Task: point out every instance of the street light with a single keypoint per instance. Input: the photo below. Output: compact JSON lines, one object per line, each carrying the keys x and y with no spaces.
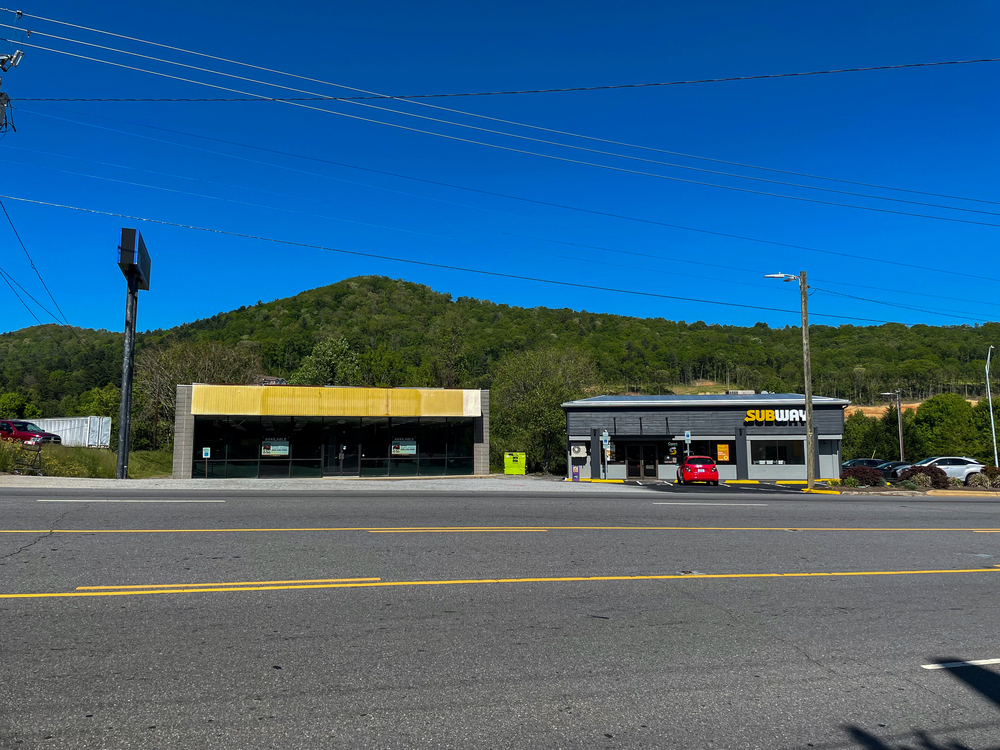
{"x":807,"y":372}
{"x":899,"y":420}
{"x":989,"y":398}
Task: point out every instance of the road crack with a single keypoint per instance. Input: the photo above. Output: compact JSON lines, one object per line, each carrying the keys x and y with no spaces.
{"x":43,"y":537}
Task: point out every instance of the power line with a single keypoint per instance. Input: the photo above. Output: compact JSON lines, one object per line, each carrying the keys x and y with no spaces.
{"x":428,"y":264}
{"x":409,"y":98}
{"x":507,"y":134}
{"x":624,"y":217}
{"x":553,"y":156}
{"x":606,"y":87}
{"x":931,"y":311}
{"x":32,"y":262}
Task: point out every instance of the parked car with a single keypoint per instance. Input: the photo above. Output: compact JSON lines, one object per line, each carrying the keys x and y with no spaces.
{"x":26,"y":432}
{"x":698,"y":469}
{"x":889,"y":469}
{"x":859,"y":462}
{"x":958,"y":467}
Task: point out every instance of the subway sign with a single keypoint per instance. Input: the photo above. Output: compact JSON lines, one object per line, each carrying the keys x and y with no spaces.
{"x":756,"y":416}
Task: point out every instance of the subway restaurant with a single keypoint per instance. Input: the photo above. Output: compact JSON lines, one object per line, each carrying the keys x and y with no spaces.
{"x":282,"y":431}
{"x":750,"y":436}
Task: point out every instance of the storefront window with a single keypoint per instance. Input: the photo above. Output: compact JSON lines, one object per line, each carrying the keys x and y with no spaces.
{"x":375,"y":437}
{"x":777,"y":452}
{"x":460,"y":438}
{"x":243,"y":438}
{"x":307,"y":437}
{"x":432,"y":439}
{"x":313,"y":446}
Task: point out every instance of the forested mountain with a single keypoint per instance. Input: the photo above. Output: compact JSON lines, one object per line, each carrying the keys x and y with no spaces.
{"x":408,"y":334}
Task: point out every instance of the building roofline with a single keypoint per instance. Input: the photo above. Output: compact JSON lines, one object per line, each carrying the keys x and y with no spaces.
{"x":705,"y":400}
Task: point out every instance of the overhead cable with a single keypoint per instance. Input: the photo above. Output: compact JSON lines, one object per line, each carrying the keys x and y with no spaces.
{"x":594,"y":212}
{"x":409,"y":98}
{"x":554,"y":143}
{"x":963,"y":315}
{"x":831,"y":71}
{"x":443,"y":266}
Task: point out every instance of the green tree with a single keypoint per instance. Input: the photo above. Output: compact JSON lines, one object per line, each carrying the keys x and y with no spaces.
{"x":332,"y":362}
{"x":859,"y":436}
{"x":16,"y":406}
{"x":946,"y":426}
{"x":525,"y":397}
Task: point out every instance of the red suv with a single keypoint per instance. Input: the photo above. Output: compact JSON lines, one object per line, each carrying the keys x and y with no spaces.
{"x":698,"y":469}
{"x":26,"y":432}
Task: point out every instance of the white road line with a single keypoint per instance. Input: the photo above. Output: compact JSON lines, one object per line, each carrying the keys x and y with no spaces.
{"x":131,"y":501}
{"x":957,"y":664}
{"x":761,"y":505}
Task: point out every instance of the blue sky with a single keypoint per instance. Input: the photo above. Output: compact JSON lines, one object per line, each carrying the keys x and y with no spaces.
{"x":925,"y":129}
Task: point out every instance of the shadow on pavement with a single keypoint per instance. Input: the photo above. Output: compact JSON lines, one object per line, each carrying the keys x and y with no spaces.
{"x":983,"y":681}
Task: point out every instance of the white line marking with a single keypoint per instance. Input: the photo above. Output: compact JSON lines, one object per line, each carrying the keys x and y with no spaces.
{"x":761,"y":505}
{"x":131,"y":501}
{"x":956,"y":664}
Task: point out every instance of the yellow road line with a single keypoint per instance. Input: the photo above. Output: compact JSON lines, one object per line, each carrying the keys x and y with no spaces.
{"x":440,"y":531}
{"x":469,"y":581}
{"x":234,"y":583}
{"x":985,"y":529}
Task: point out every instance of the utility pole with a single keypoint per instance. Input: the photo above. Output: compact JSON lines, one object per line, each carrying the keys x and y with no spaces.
{"x":899,"y":418}
{"x":989,"y":399}
{"x":807,"y":373}
{"x":134,"y":263}
{"x":807,"y":369}
{"x":6,"y":63}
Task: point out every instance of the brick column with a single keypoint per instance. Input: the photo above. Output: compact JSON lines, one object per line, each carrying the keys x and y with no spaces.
{"x":481,"y":449}
{"x":183,"y":433}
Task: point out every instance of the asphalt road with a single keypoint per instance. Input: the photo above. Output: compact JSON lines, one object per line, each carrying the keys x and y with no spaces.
{"x":396,"y":619}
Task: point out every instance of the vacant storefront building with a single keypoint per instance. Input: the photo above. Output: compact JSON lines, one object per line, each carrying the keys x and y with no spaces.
{"x":280,"y":431}
{"x":750,"y":436}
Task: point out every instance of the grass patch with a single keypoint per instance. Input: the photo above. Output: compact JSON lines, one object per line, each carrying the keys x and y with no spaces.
{"x":98,"y":463}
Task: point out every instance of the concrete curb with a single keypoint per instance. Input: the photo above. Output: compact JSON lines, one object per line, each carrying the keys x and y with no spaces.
{"x":963,"y":493}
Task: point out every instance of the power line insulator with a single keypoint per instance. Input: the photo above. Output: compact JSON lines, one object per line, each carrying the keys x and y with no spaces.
{"x":5,"y":122}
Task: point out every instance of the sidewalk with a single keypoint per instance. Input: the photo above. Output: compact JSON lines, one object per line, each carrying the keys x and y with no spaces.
{"x":487,"y":483}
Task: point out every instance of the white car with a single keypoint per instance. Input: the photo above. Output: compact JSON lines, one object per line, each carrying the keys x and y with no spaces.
{"x":954,"y":466}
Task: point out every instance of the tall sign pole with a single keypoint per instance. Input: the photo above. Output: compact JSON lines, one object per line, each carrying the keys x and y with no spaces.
{"x":134,"y":263}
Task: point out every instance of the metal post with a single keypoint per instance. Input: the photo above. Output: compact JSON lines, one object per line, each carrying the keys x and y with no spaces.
{"x":128,"y":365}
{"x":899,"y":420}
{"x":807,"y":371}
{"x":989,"y":399}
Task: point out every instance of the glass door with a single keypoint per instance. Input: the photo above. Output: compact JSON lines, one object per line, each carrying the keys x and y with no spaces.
{"x":341,"y":445}
{"x":649,"y":461}
{"x":633,"y":460}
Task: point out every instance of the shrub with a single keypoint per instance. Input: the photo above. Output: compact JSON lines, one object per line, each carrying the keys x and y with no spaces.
{"x":955,"y":482}
{"x":939,"y":480}
{"x":909,"y":484}
{"x":993,"y":474}
{"x":866,"y":476}
{"x":850,"y":482}
{"x":921,"y":481}
{"x":833,"y":482}
{"x":979,"y":480}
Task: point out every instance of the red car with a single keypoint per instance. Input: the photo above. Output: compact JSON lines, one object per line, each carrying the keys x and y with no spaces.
{"x":698,"y":469}
{"x":26,"y":432}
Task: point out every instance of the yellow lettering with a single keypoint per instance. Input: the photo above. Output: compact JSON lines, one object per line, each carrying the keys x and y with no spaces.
{"x":750,"y":416}
{"x":769,"y":415}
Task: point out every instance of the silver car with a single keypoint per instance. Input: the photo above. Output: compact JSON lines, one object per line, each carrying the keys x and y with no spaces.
{"x":954,"y":466}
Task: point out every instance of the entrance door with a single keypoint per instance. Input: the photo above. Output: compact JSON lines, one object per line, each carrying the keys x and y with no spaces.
{"x":633,"y":460}
{"x":649,"y":461}
{"x":340,"y":457}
